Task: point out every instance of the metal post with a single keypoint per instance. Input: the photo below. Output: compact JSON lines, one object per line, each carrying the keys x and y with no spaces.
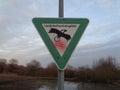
{"x":60,"y":79}
{"x":61,"y":8}
{"x":61,"y":72}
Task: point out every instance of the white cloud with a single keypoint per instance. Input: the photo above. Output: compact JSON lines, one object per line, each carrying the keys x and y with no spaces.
{"x":19,"y":38}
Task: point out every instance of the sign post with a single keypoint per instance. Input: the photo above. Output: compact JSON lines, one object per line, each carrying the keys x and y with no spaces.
{"x":61,"y":36}
{"x":61,"y":72}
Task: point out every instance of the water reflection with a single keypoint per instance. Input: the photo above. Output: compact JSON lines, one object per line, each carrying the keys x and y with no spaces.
{"x":52,"y":85}
{"x":70,"y":86}
{"x":67,"y":86}
{"x":82,"y":86}
{"x":44,"y":87}
{"x":89,"y":86}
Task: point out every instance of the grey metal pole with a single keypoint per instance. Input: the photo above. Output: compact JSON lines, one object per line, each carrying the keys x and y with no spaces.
{"x":60,"y":79}
{"x":61,"y":8}
{"x":61,"y":72}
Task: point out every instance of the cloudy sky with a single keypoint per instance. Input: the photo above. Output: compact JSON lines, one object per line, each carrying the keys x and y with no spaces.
{"x":20,"y":40}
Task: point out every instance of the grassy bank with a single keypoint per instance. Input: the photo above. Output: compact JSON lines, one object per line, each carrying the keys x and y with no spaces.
{"x":6,"y":78}
{"x":17,"y":82}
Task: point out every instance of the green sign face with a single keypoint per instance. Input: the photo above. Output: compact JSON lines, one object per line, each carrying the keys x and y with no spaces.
{"x":61,"y":36}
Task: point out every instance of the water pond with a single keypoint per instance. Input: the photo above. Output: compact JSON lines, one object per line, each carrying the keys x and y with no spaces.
{"x":79,"y":86}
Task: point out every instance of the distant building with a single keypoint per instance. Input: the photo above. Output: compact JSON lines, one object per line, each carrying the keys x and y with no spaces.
{"x":3,"y":60}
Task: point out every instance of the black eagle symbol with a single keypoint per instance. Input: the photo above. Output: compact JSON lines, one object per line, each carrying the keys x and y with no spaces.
{"x":60,"y":34}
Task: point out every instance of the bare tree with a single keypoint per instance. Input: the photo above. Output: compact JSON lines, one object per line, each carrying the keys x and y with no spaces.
{"x":34,"y":67}
{"x":13,"y":61}
{"x":34,"y":63}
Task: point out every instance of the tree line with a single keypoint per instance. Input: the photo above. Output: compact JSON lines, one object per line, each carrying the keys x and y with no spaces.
{"x":104,"y":70}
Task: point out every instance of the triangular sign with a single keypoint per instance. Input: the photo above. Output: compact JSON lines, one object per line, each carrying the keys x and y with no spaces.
{"x":61,"y":36}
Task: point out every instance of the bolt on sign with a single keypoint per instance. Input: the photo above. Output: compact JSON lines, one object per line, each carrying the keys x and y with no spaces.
{"x":61,"y":36}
